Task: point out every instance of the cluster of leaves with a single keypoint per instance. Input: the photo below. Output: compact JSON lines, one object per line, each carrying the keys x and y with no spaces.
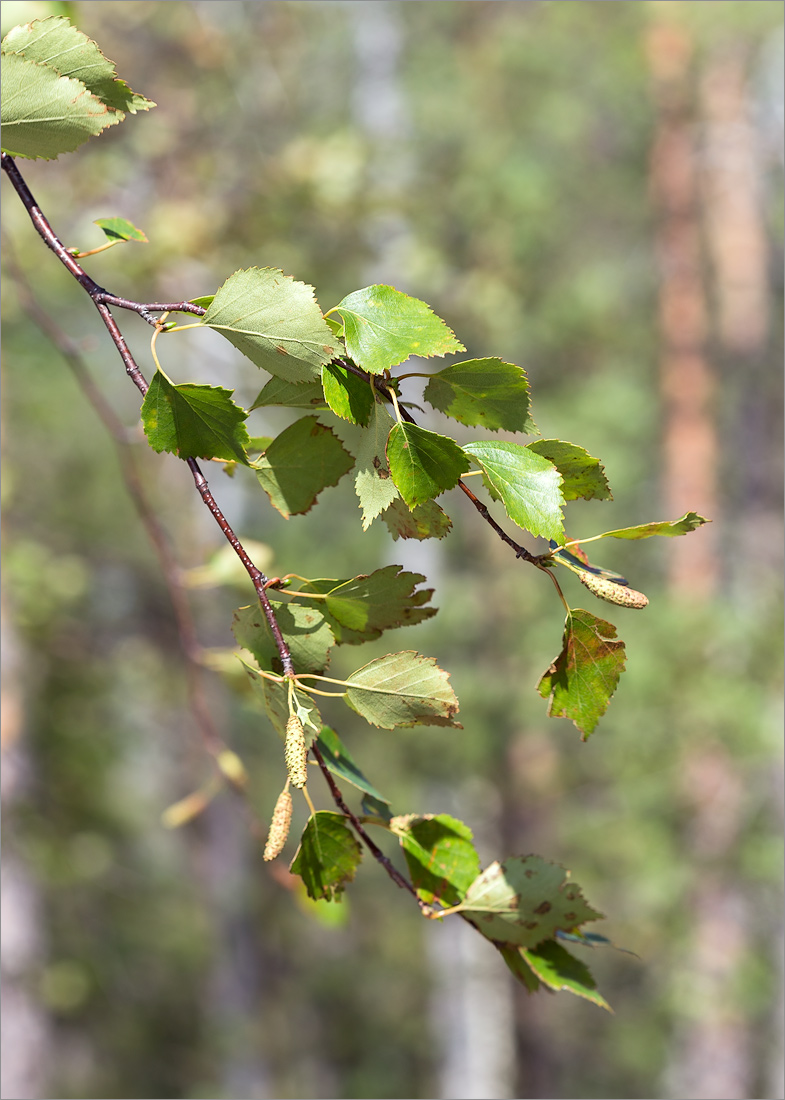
{"x":339,"y":366}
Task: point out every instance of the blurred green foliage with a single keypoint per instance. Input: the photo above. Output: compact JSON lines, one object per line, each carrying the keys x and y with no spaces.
{"x":510,"y":191}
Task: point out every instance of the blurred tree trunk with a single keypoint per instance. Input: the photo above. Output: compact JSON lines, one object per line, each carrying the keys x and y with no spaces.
{"x":24,"y":1025}
{"x":712,"y":1053}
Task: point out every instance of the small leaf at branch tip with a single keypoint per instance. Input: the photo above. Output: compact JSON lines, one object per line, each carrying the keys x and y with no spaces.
{"x":612,"y":592}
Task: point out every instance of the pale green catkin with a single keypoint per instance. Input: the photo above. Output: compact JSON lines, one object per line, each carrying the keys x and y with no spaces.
{"x":295,"y":752}
{"x":612,"y":592}
{"x":279,"y":826}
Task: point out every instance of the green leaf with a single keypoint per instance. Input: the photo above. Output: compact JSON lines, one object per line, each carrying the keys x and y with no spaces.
{"x":578,"y":565}
{"x":440,"y":855}
{"x":527,"y":484}
{"x":118,"y":229}
{"x":425,"y":521}
{"x":580,"y":682}
{"x":582,"y":475}
{"x":516,"y":961}
{"x":294,"y":395}
{"x":359,"y":609}
{"x":305,"y":631}
{"x":53,"y":42}
{"x":44,"y":114}
{"x":557,"y":969}
{"x":275,"y":322}
{"x":341,"y":763}
{"x":274,"y":698}
{"x":403,"y":689}
{"x":382,"y":327}
{"x":299,"y":463}
{"x":690,"y":521}
{"x":524,"y":901}
{"x":348,"y":396}
{"x":204,"y":301}
{"x":483,"y":392}
{"x":328,"y":856}
{"x":194,"y":421}
{"x":373,"y":484}
{"x":422,"y":463}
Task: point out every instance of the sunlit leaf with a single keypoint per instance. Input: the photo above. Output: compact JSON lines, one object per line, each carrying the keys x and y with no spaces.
{"x":383,"y":327}
{"x":483,"y":392}
{"x":274,"y":699}
{"x":524,"y":900}
{"x":528,"y":485}
{"x":690,"y":521}
{"x":58,"y":45}
{"x":44,"y":114}
{"x":422,"y":463}
{"x":118,"y":229}
{"x":580,"y":682}
{"x":582,"y":475}
{"x":373,"y":484}
{"x":275,"y":322}
{"x":403,"y":689}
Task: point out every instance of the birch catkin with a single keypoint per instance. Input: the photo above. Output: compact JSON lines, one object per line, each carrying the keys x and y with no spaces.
{"x":279,"y":826}
{"x":612,"y":592}
{"x":295,"y":752}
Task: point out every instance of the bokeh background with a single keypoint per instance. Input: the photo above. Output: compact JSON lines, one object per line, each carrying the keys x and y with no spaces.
{"x":593,"y":191}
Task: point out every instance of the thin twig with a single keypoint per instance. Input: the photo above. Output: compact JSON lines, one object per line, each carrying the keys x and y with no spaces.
{"x":373,"y":848}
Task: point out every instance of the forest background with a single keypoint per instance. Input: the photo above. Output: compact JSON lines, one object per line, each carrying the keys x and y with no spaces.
{"x":593,"y":191}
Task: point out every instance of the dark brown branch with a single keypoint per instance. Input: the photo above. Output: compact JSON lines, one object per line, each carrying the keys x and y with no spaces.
{"x":99,"y":297}
{"x":373,"y":848}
